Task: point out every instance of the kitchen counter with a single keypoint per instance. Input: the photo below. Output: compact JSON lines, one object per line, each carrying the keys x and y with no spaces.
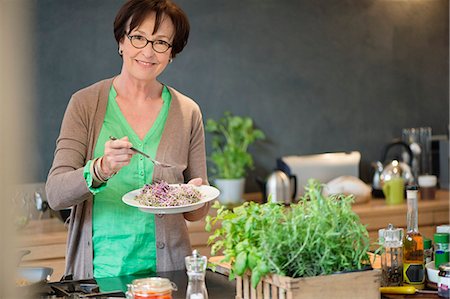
{"x":46,"y":239}
{"x":217,"y":285}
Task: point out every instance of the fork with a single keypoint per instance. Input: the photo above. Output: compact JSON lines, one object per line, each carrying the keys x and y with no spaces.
{"x":156,"y":162}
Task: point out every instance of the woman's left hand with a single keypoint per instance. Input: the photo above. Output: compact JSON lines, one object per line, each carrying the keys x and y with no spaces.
{"x":196,"y":182}
{"x":199,"y":213}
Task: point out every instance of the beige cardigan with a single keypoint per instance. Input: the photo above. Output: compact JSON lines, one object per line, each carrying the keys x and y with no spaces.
{"x":182,"y":144}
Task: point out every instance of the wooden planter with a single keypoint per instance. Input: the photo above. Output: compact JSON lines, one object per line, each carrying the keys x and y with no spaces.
{"x":361,"y":284}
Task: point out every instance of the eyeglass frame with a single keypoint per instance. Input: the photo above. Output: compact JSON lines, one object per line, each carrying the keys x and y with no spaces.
{"x":148,"y":42}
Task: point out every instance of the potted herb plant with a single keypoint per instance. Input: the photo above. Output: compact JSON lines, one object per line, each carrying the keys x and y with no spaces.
{"x":296,"y":251}
{"x":231,"y":137}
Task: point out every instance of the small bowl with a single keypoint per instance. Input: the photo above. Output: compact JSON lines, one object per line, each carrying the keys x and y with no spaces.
{"x":432,"y":272}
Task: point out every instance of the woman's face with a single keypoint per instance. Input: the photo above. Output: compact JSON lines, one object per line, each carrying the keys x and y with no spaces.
{"x":146,"y":64}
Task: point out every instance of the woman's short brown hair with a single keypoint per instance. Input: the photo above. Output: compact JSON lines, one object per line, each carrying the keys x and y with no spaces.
{"x":136,"y":11}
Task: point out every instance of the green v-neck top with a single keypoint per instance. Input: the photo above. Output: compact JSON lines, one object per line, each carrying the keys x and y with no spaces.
{"x":123,"y":237}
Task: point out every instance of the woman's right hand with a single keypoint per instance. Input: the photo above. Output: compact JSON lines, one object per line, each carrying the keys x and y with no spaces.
{"x":117,"y":154}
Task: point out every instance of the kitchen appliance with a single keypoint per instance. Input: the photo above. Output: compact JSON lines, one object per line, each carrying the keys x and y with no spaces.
{"x":388,"y":169}
{"x":440,"y":160}
{"x":279,"y":187}
{"x":322,"y":167}
{"x":87,"y":288}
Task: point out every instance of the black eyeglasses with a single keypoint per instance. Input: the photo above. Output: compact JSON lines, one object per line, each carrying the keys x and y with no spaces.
{"x":139,"y":42}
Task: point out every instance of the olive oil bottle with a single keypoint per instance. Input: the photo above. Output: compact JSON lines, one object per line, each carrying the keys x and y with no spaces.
{"x":413,"y":254}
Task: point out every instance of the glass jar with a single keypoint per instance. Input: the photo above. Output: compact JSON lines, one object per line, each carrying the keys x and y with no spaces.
{"x":444,"y":281}
{"x":151,"y":288}
{"x":392,"y":257}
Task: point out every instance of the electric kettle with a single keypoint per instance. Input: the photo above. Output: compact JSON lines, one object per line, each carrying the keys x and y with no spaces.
{"x":279,"y":187}
{"x":389,"y":169}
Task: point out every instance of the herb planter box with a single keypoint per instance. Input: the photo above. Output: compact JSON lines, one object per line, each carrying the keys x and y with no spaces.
{"x":360,"y":284}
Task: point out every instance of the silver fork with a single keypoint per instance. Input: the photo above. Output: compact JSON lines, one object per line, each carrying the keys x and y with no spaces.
{"x":156,"y":162}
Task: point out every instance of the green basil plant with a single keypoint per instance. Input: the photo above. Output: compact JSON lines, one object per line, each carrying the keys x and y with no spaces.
{"x":232,"y":136}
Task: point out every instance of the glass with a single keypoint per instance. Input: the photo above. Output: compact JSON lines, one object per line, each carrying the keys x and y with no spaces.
{"x":419,"y":140}
{"x":139,"y":42}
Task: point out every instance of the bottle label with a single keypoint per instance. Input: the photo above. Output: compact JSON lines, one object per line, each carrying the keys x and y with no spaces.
{"x":414,"y":274}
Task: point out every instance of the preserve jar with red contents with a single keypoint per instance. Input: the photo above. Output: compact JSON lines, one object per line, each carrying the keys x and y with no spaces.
{"x":151,"y":288}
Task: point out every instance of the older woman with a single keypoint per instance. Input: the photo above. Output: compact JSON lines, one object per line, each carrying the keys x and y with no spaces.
{"x":90,"y":173}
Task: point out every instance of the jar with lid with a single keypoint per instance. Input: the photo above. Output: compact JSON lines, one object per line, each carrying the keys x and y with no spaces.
{"x":196,"y":270}
{"x":392,"y":257}
{"x":444,"y":281}
{"x":441,"y":249}
{"x":152,"y":287}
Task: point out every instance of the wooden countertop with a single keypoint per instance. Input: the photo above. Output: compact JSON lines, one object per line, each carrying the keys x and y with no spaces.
{"x":42,"y":232}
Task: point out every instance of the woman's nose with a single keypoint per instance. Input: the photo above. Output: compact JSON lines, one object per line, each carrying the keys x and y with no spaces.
{"x":148,"y":50}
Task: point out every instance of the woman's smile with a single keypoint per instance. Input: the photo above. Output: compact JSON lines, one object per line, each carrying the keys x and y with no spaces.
{"x":145,"y":63}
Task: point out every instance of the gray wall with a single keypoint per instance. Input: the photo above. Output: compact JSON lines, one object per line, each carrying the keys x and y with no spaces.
{"x":316,"y":75}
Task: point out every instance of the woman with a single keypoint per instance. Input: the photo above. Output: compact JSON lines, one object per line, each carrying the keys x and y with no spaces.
{"x":91,"y":173}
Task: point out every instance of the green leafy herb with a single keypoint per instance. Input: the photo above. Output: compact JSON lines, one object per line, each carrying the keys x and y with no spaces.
{"x":316,"y":236}
{"x":232,"y":136}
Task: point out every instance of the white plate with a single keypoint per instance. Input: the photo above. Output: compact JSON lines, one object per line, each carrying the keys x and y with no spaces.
{"x":432,"y":273}
{"x":208,"y":193}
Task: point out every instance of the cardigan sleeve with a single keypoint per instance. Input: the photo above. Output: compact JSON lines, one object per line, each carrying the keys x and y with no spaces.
{"x":65,"y":184}
{"x":197,"y":161}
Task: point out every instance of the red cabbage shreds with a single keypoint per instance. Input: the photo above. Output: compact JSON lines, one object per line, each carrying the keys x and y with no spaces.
{"x":161,"y":194}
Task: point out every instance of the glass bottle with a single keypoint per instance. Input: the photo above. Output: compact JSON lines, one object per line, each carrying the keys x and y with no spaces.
{"x":413,"y":253}
{"x":391,"y":258}
{"x":196,"y":269}
{"x":427,"y":250}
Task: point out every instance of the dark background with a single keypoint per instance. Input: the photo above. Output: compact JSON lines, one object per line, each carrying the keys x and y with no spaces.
{"x":315,"y":75}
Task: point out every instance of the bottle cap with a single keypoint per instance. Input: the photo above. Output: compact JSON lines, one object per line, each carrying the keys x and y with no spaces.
{"x":393,"y":236}
{"x":426,"y":243}
{"x":196,"y":262}
{"x":443,"y":229}
{"x":412,"y":188}
{"x":441,"y":238}
{"x":427,"y":181}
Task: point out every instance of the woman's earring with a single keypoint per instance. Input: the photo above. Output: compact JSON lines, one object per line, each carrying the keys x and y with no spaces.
{"x":170,"y":60}
{"x":120,"y":52}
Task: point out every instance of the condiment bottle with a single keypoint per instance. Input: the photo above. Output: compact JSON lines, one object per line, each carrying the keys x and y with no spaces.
{"x":444,"y":281}
{"x":441,"y":250}
{"x":196,"y":269}
{"x":153,"y":287}
{"x":391,"y":258}
{"x":427,"y":250}
{"x":413,"y":256}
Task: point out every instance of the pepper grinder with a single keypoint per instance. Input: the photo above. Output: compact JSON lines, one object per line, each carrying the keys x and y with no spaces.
{"x":196,"y":268}
{"x":392,"y":257}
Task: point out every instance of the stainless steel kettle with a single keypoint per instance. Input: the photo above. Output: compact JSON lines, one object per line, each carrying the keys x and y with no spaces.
{"x":384,"y":172}
{"x":279,"y":187}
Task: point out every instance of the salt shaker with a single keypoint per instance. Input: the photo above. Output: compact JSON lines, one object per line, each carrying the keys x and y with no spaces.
{"x":392,"y":257}
{"x":196,"y":268}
